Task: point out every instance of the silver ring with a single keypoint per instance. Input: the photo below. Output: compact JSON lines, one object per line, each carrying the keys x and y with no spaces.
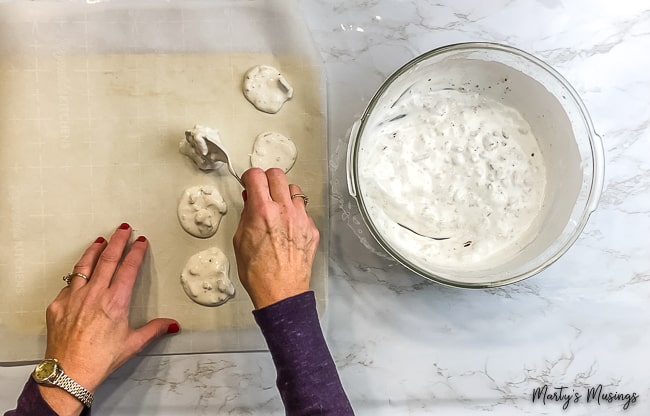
{"x":68,"y":277}
{"x":304,"y":197}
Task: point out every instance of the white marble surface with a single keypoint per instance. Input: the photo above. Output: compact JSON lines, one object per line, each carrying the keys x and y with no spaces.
{"x":405,"y":346}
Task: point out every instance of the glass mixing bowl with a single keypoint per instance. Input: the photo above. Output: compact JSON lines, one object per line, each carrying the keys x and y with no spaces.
{"x":572,"y":151}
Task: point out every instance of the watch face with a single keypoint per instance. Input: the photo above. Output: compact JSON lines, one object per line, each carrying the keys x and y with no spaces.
{"x":44,"y":370}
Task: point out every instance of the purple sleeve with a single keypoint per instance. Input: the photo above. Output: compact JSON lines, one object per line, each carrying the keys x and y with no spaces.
{"x":31,"y":403}
{"x":307,"y":378}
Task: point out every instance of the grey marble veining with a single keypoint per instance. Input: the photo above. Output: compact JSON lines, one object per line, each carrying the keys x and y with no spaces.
{"x":407,"y":346}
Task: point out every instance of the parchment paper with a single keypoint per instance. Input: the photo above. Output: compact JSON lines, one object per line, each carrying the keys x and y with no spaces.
{"x":94,"y":99}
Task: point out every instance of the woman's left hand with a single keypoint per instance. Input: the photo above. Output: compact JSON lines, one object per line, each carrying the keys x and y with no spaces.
{"x":88,"y":328}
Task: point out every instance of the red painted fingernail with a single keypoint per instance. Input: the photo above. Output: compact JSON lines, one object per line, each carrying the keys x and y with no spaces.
{"x":173,"y":328}
{"x":99,"y":240}
{"x":244,"y":195}
{"x":141,"y":239}
{"x":124,"y":226}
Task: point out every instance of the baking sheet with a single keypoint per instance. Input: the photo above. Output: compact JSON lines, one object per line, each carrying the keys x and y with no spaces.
{"x":94,"y":99}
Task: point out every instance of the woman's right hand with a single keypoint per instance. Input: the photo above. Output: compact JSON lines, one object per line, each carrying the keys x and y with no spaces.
{"x":276,"y":240}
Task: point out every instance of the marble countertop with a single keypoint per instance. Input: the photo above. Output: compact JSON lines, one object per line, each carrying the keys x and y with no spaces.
{"x":407,"y":346}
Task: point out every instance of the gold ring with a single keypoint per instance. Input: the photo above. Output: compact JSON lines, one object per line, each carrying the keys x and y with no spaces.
{"x":68,"y":277}
{"x":304,"y":197}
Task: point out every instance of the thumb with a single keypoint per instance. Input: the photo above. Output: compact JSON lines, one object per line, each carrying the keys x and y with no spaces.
{"x":152,"y":330}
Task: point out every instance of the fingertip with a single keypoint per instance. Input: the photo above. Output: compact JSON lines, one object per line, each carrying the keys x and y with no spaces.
{"x":141,"y":239}
{"x":256,"y":185}
{"x":124,"y":226}
{"x":100,"y":240}
{"x":173,"y":328}
{"x":252,"y":172}
{"x":275,"y":173}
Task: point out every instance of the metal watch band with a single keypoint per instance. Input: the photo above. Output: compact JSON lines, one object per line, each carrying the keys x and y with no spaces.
{"x":72,"y":387}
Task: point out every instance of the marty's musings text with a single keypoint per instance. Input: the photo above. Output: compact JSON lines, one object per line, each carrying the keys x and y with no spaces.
{"x":597,"y":395}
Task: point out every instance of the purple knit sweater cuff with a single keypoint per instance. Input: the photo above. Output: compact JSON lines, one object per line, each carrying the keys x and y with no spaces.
{"x":307,"y":377}
{"x":31,"y":403}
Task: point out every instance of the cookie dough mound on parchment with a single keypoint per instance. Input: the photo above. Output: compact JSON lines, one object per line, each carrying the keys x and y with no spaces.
{"x":266,"y":88}
{"x":273,"y":150}
{"x":200,"y":210}
{"x":205,"y":278}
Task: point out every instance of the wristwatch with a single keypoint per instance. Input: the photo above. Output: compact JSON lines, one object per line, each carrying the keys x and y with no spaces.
{"x":48,"y":372}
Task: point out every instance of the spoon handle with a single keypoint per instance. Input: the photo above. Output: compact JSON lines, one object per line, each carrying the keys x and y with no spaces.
{"x":233,"y":173}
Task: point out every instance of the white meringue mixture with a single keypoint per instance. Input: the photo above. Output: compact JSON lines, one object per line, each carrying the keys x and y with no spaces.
{"x":200,"y":210}
{"x":199,"y":145}
{"x":205,"y":278}
{"x":273,"y":150}
{"x":266,"y":88}
{"x":451,"y":179}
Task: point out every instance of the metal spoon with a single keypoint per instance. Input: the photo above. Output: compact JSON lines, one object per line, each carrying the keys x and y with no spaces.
{"x":422,"y":235}
{"x":219,"y":154}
